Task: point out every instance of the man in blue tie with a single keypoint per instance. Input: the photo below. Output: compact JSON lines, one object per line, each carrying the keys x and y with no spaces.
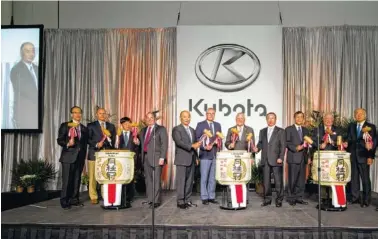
{"x":297,"y":159}
{"x":126,"y":141}
{"x":207,"y":156}
{"x":362,"y":155}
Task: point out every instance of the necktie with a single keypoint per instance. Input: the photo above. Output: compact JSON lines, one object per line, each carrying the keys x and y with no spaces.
{"x":240,"y":129}
{"x":211,"y":129}
{"x":125,"y":138}
{"x":269,"y":133}
{"x":188,"y":132}
{"x":34,"y":76}
{"x":300,"y":133}
{"x":78,"y":131}
{"x":358,"y":130}
{"x":148,"y":136}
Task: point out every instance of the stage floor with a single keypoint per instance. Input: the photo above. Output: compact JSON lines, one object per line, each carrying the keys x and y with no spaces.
{"x":50,"y":212}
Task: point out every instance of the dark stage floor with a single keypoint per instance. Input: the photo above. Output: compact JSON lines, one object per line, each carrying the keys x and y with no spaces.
{"x":49,"y":212}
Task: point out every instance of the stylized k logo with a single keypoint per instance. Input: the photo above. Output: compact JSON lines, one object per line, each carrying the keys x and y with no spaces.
{"x":227,"y":67}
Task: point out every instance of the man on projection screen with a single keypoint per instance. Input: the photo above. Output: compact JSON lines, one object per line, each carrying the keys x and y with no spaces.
{"x":24,"y":78}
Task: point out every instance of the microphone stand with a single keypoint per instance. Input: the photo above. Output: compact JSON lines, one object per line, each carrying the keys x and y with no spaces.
{"x":153,"y":178}
{"x":319,"y":188}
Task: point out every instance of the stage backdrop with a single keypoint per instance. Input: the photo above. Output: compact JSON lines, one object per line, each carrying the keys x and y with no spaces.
{"x":233,"y":69}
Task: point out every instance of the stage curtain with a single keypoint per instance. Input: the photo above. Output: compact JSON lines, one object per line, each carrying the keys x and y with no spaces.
{"x":127,"y":71}
{"x":331,"y":69}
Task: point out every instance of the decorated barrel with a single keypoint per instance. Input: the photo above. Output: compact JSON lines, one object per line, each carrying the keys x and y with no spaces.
{"x":233,"y":167}
{"x":114,"y":166}
{"x":335,"y":167}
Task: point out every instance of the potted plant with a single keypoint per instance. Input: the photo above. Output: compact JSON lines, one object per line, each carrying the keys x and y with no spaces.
{"x":85,"y":180}
{"x":44,"y":171}
{"x":257,"y":178}
{"x":19,"y":170}
{"x":29,"y":181}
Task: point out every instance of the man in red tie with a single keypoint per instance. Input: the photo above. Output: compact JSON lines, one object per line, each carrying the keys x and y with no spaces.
{"x":154,"y":154}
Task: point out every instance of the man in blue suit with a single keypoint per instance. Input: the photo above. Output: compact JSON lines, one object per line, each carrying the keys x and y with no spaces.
{"x":207,"y":156}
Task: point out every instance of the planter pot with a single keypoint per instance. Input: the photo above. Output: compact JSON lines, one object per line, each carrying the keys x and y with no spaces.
{"x":19,"y":189}
{"x":31,"y":189}
{"x":260,"y":189}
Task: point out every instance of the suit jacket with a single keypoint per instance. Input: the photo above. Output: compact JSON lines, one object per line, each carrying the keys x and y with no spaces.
{"x":95,"y":136}
{"x":356,"y":145}
{"x":240,"y":144}
{"x":201,"y":126}
{"x":25,"y":96}
{"x":75,"y":152}
{"x":130,"y":146}
{"x":292,"y":141}
{"x":185,"y":154}
{"x":161,"y":144}
{"x":314,"y":137}
{"x":274,"y":149}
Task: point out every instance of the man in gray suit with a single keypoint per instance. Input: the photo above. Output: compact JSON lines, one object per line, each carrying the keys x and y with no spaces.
{"x":241,"y":142}
{"x":185,"y":159}
{"x":296,"y":159}
{"x":149,"y":154}
{"x":273,"y":146}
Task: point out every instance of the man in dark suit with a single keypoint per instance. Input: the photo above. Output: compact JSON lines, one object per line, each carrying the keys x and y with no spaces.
{"x":153,"y":158}
{"x":328,"y":141}
{"x":362,"y":156}
{"x":241,"y":142}
{"x":126,"y":141}
{"x":24,"y":78}
{"x":296,"y":159}
{"x":273,"y":145}
{"x":98,"y":141}
{"x":185,"y":138}
{"x":74,"y":149}
{"x":207,"y":155}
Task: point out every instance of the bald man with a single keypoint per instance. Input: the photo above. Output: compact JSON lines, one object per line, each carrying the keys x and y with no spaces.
{"x":362,"y":155}
{"x":186,"y":156}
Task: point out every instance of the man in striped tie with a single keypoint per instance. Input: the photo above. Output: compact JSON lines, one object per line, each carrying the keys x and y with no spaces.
{"x":73,"y":138}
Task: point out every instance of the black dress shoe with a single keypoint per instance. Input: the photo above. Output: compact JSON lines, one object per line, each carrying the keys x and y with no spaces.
{"x":156,"y":205}
{"x":265,"y":204}
{"x":190,"y":204}
{"x":147,"y":202}
{"x":68,"y":207}
{"x":354,"y":202}
{"x":213,"y":201}
{"x":292,"y":203}
{"x":205,"y":202}
{"x":127,"y":204}
{"x":182,"y":206}
{"x":77,"y":204}
{"x":278,"y":204}
{"x":365,"y":204}
{"x":376,"y":209}
{"x":301,"y":202}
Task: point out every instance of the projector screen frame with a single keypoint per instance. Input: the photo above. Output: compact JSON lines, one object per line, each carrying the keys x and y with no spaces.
{"x":40,"y":78}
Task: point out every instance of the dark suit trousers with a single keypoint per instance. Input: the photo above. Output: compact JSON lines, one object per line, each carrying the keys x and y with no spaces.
{"x":277,"y":173}
{"x":148,"y":172}
{"x":70,"y":182}
{"x":184,"y":180}
{"x":297,"y":181}
{"x":360,"y":170}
